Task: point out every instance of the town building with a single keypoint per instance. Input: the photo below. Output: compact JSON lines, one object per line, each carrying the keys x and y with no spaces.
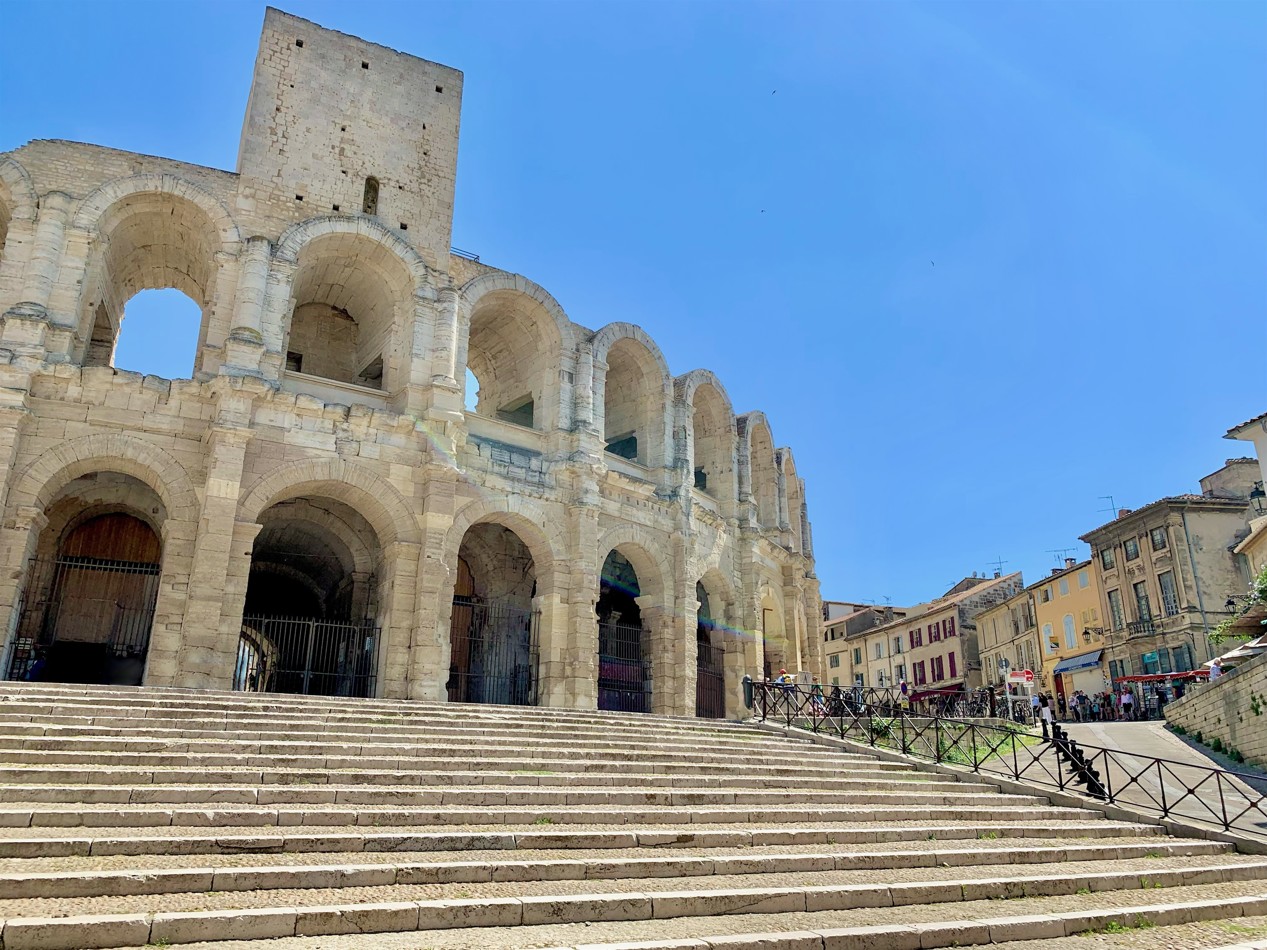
{"x":1067,"y":614}
{"x":1167,"y":575}
{"x":1008,"y":640}
{"x":856,"y":657}
{"x":315,"y":509}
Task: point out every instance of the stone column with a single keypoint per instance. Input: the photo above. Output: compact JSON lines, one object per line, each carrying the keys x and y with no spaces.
{"x":18,"y":540}
{"x":662,"y":644}
{"x":583,"y":393}
{"x":577,"y":651}
{"x":245,"y":345}
{"x":208,"y":647}
{"x":46,"y":255}
{"x":275,"y":318}
{"x":444,"y":354}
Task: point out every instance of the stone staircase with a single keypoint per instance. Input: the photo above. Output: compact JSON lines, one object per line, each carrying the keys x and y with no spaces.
{"x":132,"y":817}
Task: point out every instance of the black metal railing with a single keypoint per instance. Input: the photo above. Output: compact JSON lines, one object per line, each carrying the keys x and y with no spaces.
{"x":493,"y":653}
{"x":82,"y":618}
{"x":1232,"y":801}
{"x":710,"y":695}
{"x":624,"y":676}
{"x":308,"y":656}
{"x":973,"y":704}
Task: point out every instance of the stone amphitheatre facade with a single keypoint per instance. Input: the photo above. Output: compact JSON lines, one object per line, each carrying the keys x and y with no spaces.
{"x":314,"y":510}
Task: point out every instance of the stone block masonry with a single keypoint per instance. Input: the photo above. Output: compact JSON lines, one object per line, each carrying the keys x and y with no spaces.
{"x":1232,"y":709}
{"x":314,"y":510}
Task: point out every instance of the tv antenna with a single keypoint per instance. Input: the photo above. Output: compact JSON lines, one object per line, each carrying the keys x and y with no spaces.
{"x":1112,"y":509}
{"x":997,"y":564}
{"x":1061,"y":554}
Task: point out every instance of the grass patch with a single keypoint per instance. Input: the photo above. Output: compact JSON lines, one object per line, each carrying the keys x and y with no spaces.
{"x":544,"y":821}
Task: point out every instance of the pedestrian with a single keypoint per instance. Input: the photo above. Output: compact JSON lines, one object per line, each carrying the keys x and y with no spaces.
{"x":1216,"y":669}
{"x":1128,"y":704}
{"x":1044,"y":714}
{"x":1064,"y":708}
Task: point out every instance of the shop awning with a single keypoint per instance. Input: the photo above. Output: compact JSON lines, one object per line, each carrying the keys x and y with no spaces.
{"x":1083,"y":661}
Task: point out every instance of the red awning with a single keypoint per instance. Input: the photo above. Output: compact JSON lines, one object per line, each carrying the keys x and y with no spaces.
{"x":933,"y":693}
{"x":1159,"y":677}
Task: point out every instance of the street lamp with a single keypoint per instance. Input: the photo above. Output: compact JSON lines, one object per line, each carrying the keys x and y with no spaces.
{"x":1258,"y":498}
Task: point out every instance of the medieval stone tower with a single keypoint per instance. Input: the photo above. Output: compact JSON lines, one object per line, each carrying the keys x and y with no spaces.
{"x":314,"y":509}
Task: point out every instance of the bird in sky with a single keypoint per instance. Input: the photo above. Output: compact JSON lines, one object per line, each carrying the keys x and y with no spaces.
{"x":774,"y":91}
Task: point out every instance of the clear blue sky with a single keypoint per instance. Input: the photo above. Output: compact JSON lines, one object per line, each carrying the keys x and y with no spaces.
{"x":1012,"y":255}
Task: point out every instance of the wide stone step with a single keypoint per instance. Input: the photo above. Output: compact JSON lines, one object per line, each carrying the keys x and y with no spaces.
{"x":303,"y":919}
{"x":498,"y":810}
{"x":632,"y":865}
{"x":48,"y":843}
{"x":628,"y":793}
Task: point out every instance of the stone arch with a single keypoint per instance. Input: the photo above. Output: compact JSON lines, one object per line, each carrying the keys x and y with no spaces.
{"x":636,"y":544}
{"x":297,"y":236}
{"x":353,"y":290}
{"x":17,"y":198}
{"x":522,"y":516}
{"x":794,"y":489}
{"x":154,"y":232}
{"x":711,"y":447}
{"x":632,"y":385}
{"x":756,"y":446}
{"x":512,"y":337}
{"x":775,"y":645}
{"x":366,"y":492}
{"x":40,"y":481}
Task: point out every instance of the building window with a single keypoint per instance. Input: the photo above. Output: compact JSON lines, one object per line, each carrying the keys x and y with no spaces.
{"x":917,"y":672}
{"x":879,"y":679}
{"x":1158,"y":538}
{"x":1147,"y":663}
{"x":1071,"y":635}
{"x":917,"y":637}
{"x":901,"y":672}
{"x":369,"y":200}
{"x":934,"y":631}
{"x":1064,"y":587}
{"x":860,"y":680}
{"x":1108,"y":560}
{"x":1115,"y":610}
{"x":897,"y":644}
{"x":1132,"y":549}
{"x":1182,"y":656}
{"x":834,"y":661}
{"x":950,"y":627}
{"x":1169,"y":596}
{"x":953,"y":670}
{"x":857,"y":656}
{"x":1083,"y":580}
{"x":1049,"y":638}
{"x":1143,"y":610}
{"x":1045,"y":594}
{"x":835,"y":681}
{"x":879,"y":651}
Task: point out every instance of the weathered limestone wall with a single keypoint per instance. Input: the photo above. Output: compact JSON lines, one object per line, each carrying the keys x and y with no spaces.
{"x":1232,"y":709}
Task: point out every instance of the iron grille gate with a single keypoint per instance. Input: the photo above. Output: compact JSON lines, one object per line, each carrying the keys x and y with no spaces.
{"x":494,"y":651}
{"x":710,"y":699}
{"x":67,"y":603}
{"x":624,"y":676}
{"x":306,"y":655}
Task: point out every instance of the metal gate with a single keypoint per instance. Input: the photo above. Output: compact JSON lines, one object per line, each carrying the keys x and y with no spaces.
{"x":306,"y":655}
{"x":493,"y":653}
{"x":85,"y":620}
{"x":624,"y":676}
{"x":710,"y":697}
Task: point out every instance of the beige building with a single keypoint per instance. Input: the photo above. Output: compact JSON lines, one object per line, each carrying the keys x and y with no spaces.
{"x":314,"y":509}
{"x":855,"y":656}
{"x":1067,"y":614}
{"x":1167,"y":575}
{"x":1008,"y":640}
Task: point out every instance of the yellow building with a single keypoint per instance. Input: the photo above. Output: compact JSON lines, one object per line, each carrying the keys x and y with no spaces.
{"x":1067,"y":612}
{"x":1008,"y":638}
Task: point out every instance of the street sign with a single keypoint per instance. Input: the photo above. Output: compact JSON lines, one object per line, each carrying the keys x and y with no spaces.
{"x":1021,"y":678}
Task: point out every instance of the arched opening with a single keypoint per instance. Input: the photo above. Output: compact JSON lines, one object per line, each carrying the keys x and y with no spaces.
{"x":633,"y":403}
{"x":493,"y":630}
{"x":710,"y":657}
{"x":773,"y":637}
{"x":472,"y":395}
{"x":624,"y":672}
{"x":369,"y":200}
{"x":795,"y":503}
{"x":88,"y":604}
{"x":149,"y":241}
{"x":350,"y":294}
{"x":309,"y":625}
{"x":513,"y":349}
{"x":714,"y":440}
{"x":158,"y":335}
{"x":765,"y":477}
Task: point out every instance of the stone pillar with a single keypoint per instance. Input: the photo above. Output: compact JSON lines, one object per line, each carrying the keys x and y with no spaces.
{"x":245,"y":346}
{"x":598,"y":392}
{"x":576,"y":649}
{"x":444,"y":352}
{"x":46,"y":254}
{"x":663,"y":645}
{"x":275,"y":318}
{"x":397,"y":619}
{"x":207,"y":648}
{"x":18,"y":540}
{"x":583,"y":412}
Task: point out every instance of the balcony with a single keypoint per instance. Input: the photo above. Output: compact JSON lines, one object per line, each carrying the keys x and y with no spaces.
{"x":1141,"y":628}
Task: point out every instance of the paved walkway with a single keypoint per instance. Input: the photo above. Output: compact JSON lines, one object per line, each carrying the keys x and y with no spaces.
{"x":1185,"y":769}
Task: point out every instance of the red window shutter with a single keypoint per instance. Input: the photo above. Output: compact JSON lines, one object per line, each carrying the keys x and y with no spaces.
{"x":950,"y":626}
{"x":953,"y":671}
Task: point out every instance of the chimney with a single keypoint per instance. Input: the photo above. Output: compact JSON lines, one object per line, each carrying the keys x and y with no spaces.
{"x":998,"y":574}
{"x":1057,"y":570}
{"x":1123,"y":512}
{"x":1070,"y":562}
